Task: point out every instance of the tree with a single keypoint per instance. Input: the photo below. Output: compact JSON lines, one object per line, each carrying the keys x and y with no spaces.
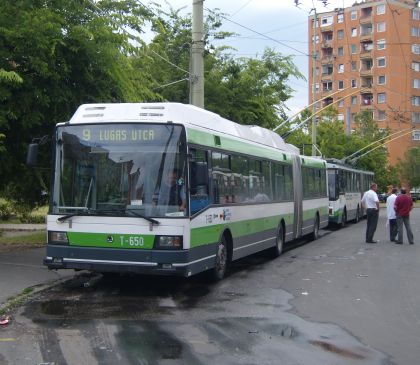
{"x":409,"y":168}
{"x":56,"y":55}
{"x":247,"y":91}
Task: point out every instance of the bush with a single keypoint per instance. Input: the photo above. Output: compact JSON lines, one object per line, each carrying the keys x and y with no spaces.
{"x":5,"y":211}
{"x":31,"y":218}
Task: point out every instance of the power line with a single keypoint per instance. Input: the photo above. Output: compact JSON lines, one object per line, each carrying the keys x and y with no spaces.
{"x":256,"y":32}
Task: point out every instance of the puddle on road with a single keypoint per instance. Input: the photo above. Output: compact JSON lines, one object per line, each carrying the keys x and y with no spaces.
{"x":158,"y":321}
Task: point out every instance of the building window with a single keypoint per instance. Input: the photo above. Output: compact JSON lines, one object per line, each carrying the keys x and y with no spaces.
{"x":317,"y":88}
{"x":341,"y":68}
{"x":416,"y":14}
{"x":354,"y":65}
{"x":380,"y":27}
{"x":326,"y":20}
{"x":380,"y":44}
{"x":353,"y":100}
{"x":415,"y":101}
{"x":381,"y":98}
{"x":354,"y":32}
{"x":416,"y":83}
{"x":353,"y":15}
{"x":380,"y":9}
{"x":381,"y":62}
{"x":353,"y":49}
{"x":353,"y":83}
{"x":416,"y":135}
{"x":341,"y":85}
{"x":381,"y":115}
{"x":341,"y":103}
{"x":340,"y":18}
{"x":327,"y":86}
{"x":340,"y":117}
{"x":415,"y":31}
{"x":381,"y":80}
{"x":340,"y":51}
{"x":340,"y":34}
{"x":415,"y":48}
{"x":415,"y":66}
{"x":415,"y":117}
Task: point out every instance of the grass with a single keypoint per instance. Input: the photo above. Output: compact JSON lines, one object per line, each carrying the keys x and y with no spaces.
{"x":16,"y":301}
{"x":33,"y":238}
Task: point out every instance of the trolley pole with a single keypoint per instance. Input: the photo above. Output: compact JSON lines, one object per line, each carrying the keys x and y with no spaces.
{"x":313,"y":83}
{"x":197,"y":56}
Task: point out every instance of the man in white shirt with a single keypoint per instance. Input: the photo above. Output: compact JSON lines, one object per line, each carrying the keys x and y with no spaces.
{"x":371,"y":203}
{"x":392,"y":217}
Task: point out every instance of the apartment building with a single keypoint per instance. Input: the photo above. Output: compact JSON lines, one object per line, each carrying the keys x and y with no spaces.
{"x":368,"y":55}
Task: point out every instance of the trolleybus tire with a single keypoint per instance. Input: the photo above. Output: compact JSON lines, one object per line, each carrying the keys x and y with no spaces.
{"x":221,"y":263}
{"x":344,"y":218}
{"x":277,"y":250}
{"x":357,"y":219}
{"x":315,"y":232}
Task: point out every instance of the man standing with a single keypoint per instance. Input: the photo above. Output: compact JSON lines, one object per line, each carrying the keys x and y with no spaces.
{"x":403,"y":206}
{"x":371,"y":203}
{"x":392,"y":218}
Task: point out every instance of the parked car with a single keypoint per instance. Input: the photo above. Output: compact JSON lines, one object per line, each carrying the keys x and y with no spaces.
{"x":382,"y":197}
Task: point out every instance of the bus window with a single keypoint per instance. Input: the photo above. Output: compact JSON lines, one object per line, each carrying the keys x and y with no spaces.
{"x":199,"y":181}
{"x":221,"y":176}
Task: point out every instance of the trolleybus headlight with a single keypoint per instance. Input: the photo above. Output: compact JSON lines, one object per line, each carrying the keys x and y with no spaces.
{"x":168,"y":242}
{"x":57,"y":238}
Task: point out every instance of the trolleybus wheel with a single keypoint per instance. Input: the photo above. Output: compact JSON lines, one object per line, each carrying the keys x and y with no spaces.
{"x":344,"y":218}
{"x":220,"y":267}
{"x":357,"y":219}
{"x":277,"y":250}
{"x":315,"y":232}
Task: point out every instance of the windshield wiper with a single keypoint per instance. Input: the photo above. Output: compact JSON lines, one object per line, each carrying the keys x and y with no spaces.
{"x":151,"y":220}
{"x":107,"y":212}
{"x":67,"y":216}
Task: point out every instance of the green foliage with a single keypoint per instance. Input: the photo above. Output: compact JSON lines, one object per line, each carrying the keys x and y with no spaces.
{"x":54,"y":56}
{"x":5,"y":210}
{"x":409,"y":168}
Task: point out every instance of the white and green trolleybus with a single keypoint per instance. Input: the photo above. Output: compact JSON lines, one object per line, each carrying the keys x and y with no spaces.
{"x":346,"y":186}
{"x":172,"y":189}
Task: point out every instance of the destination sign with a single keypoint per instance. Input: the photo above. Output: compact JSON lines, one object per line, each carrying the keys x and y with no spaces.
{"x":104,"y":134}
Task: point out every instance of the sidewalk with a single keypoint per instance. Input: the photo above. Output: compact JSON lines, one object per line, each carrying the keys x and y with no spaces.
{"x":24,"y":268}
{"x":23,"y":227}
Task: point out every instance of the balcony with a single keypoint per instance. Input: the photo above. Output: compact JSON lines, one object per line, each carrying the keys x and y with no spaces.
{"x":327,"y":60}
{"x":367,"y":19}
{"x":326,"y":28}
{"x":366,"y":72}
{"x":365,"y":37}
{"x":326,"y":44}
{"x":366,"y":54}
{"x":326,"y":77}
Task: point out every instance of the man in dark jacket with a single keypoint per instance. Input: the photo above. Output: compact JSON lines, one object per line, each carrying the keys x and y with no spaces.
{"x":403,"y":206}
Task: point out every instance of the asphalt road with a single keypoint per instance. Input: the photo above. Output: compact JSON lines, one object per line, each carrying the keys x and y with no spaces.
{"x":333,"y":301}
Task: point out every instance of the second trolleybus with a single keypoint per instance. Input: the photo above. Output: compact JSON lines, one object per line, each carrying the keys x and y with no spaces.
{"x":346,"y":186}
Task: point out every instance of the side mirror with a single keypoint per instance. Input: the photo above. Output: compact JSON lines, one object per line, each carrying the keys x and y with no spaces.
{"x":32,"y":155}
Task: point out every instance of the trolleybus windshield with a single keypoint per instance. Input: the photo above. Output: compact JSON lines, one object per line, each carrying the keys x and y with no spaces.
{"x":120,"y":169}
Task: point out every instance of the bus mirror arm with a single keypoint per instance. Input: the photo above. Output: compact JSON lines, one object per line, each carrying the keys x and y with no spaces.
{"x":32,"y":153}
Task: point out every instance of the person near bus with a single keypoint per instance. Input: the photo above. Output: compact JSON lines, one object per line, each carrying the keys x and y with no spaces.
{"x":392,"y":217}
{"x":403,"y":205}
{"x":370,"y":202}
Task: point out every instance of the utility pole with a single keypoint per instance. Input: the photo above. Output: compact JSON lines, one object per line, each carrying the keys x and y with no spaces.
{"x":197,"y":56}
{"x":313,"y":82}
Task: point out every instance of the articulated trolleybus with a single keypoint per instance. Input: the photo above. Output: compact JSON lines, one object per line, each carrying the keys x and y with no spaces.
{"x":166,"y":188}
{"x":346,"y":186}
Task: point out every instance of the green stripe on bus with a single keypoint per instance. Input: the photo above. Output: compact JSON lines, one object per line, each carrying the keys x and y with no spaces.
{"x":211,"y":234}
{"x":111,"y":240}
{"x":207,"y":139}
{"x":310,"y":213}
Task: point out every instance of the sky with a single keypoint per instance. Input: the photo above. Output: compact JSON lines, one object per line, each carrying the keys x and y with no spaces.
{"x":282,"y":27}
